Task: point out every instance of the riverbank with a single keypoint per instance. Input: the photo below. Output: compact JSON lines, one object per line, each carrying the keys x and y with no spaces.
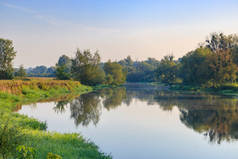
{"x":228,"y":89}
{"x":17,"y":92}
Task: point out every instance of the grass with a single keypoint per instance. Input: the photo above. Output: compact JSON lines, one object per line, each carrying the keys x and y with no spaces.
{"x":14,"y":93}
{"x":69,"y":146}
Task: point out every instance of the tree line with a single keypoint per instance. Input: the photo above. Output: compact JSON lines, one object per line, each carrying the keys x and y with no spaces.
{"x":212,"y":64}
{"x":87,"y":68}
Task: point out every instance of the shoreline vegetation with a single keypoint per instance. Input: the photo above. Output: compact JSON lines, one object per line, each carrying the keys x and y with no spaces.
{"x":69,"y":146}
{"x":227,"y":89}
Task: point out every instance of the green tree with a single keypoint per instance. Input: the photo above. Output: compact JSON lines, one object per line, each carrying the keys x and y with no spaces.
{"x":213,"y":64}
{"x":21,"y":72}
{"x":139,"y":71}
{"x":7,"y":54}
{"x":223,"y":62}
{"x":195,"y":67}
{"x":62,"y":73}
{"x":86,"y":68}
{"x":63,"y":68}
{"x":219,"y":41}
{"x":222,"y":68}
{"x":114,"y":72}
{"x":167,"y":71}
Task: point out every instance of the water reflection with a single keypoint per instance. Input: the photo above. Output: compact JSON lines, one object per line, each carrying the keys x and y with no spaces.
{"x":215,"y":117}
{"x":87,"y":108}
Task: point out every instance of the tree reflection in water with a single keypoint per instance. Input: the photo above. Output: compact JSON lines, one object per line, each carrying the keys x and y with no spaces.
{"x":216,"y":117}
{"x":87,"y":108}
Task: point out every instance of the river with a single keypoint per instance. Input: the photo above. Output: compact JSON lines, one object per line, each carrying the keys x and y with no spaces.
{"x":143,"y":121}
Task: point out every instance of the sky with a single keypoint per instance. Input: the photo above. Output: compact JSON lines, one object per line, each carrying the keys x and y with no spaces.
{"x":43,"y":30}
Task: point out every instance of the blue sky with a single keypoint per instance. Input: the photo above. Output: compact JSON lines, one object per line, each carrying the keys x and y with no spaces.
{"x":42,"y":30}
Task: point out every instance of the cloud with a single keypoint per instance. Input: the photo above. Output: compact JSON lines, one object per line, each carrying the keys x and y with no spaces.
{"x":26,"y":10}
{"x":59,"y":22}
{"x":32,"y":12}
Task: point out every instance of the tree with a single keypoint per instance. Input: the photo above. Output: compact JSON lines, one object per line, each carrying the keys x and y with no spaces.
{"x":41,"y":71}
{"x":219,"y":41}
{"x":139,"y":71}
{"x":114,"y":72}
{"x":195,"y":66}
{"x":167,"y":70}
{"x":62,"y":73}
{"x":86,"y":68}
{"x":7,"y":54}
{"x":64,"y":60}
{"x":21,"y":72}
{"x":223,"y":62}
{"x":63,"y":68}
{"x":213,"y":64}
{"x":222,"y":68}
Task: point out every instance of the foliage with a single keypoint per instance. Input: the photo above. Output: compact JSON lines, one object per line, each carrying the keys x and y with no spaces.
{"x":21,"y":72}
{"x":114,"y":72}
{"x":219,"y":41}
{"x":213,"y":64}
{"x":41,"y":71}
{"x":53,"y":156}
{"x":65,"y":60}
{"x":167,"y":70}
{"x":139,"y":71}
{"x":62,"y":73}
{"x":7,"y":54}
{"x":63,"y":68}
{"x":24,"y":152}
{"x":86,"y":68}
{"x":195,"y":67}
{"x":10,"y":138}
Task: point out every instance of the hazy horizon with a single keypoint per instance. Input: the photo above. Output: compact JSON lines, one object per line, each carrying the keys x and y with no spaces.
{"x":44,"y":30}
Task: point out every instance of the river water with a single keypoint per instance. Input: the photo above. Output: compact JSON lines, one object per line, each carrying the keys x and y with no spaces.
{"x":142,"y":121}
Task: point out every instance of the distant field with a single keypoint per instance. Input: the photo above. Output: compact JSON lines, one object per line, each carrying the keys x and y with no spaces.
{"x":41,"y":78}
{"x":36,"y":78}
{"x":18,"y":86}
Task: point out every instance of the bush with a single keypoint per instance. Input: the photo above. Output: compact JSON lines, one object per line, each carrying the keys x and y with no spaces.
{"x":10,"y":138}
{"x":24,"y":152}
{"x":53,"y":156}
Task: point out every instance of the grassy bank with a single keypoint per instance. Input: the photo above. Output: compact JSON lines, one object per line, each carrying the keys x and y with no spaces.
{"x":230,"y":89}
{"x":17,"y":92}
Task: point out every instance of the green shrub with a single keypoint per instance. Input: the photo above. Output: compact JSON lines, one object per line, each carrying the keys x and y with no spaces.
{"x":24,"y":152}
{"x":10,"y":138}
{"x":53,"y":156}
